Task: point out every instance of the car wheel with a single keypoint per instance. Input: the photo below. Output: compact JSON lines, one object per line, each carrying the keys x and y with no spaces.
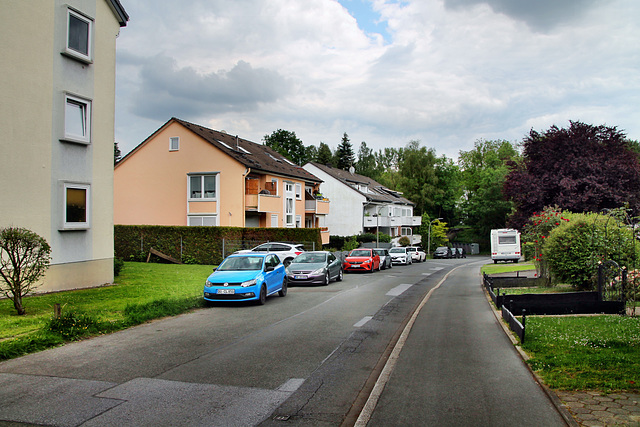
{"x":283,"y":292}
{"x":340,"y":275}
{"x":263,"y":295}
{"x":327,"y":279}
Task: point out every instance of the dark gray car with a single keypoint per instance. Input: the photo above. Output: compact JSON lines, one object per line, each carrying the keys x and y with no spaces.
{"x":314,"y":268}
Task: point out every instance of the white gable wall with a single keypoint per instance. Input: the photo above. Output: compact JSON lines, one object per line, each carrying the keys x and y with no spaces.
{"x":345,"y":217}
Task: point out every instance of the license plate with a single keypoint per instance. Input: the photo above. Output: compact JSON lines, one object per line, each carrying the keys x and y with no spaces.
{"x":355,"y":266}
{"x":226,"y":291}
{"x":300,"y":276}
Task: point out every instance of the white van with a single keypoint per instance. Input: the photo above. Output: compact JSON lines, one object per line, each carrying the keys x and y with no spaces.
{"x":505,"y":245}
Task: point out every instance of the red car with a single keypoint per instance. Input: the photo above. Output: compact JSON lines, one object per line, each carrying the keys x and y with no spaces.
{"x":362,"y":260}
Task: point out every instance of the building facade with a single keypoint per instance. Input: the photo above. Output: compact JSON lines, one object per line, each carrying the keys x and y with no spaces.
{"x":57,"y":116}
{"x":186,"y":174}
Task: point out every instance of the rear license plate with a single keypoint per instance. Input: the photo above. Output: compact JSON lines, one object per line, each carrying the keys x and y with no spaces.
{"x":300,"y":276}
{"x":226,"y":291}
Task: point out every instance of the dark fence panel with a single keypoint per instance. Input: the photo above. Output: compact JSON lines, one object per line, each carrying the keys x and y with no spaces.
{"x":517,"y":327}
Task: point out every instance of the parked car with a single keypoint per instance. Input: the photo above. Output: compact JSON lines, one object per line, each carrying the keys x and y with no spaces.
{"x":385,"y":258}
{"x":314,"y":268}
{"x":400,"y":255}
{"x":362,"y":260}
{"x":285,"y":251}
{"x":247,"y":277}
{"x":417,"y":254}
{"x":443,"y":252}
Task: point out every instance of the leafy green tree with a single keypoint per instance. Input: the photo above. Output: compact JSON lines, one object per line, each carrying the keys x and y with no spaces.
{"x":484,"y":170}
{"x":310,"y":154}
{"x":325,"y":156}
{"x":388,"y":163}
{"x":287,"y":144}
{"x":24,"y":258}
{"x":448,"y":197}
{"x":583,"y":168}
{"x":418,"y":180}
{"x":366,"y":164}
{"x":344,"y":154}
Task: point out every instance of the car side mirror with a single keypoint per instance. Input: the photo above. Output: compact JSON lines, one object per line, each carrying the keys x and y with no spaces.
{"x":269,"y":268}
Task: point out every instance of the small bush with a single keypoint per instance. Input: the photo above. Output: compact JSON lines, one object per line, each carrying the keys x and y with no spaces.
{"x":73,"y":325}
{"x":118,"y":264}
{"x":404,"y":241}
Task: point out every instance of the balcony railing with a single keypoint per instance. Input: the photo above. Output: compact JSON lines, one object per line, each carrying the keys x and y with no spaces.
{"x":392,"y":221}
{"x":320,"y":207}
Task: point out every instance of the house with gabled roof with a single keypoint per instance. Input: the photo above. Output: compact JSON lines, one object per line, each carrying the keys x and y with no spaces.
{"x":362,"y":205}
{"x":187,"y":174}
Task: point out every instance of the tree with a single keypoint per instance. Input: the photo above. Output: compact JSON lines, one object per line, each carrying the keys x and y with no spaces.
{"x":325,"y":156}
{"x":344,"y":154}
{"x":584,"y":168}
{"x":310,"y":154}
{"x":447,"y":198}
{"x":287,"y":144}
{"x":117,"y":154}
{"x":366,"y":164}
{"x":418,"y":180}
{"x":24,"y":258}
{"x":484,"y":170}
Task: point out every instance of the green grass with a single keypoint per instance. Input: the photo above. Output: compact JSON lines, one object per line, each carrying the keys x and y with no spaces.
{"x":585,"y":352}
{"x":142,"y":292}
{"x":506,"y":267}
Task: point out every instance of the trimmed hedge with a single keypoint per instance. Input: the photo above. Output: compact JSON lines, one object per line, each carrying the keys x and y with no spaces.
{"x":199,"y":245}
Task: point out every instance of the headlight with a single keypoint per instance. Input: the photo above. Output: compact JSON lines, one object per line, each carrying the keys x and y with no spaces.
{"x":249,"y":283}
{"x":366,"y":262}
{"x":318,"y":272}
{"x":206,"y":283}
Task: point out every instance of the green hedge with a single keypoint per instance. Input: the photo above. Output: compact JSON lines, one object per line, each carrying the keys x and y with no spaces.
{"x":200,"y":245}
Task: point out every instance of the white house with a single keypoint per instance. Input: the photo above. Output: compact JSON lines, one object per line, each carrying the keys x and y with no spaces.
{"x":362,"y":205}
{"x":57,"y":120}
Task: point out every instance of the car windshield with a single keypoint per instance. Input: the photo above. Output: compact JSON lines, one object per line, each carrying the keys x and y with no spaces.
{"x":442,"y":248}
{"x":379,"y":251}
{"x":411,"y":249}
{"x":396,"y":251}
{"x":360,"y":252}
{"x":243,"y":263}
{"x":310,"y":258}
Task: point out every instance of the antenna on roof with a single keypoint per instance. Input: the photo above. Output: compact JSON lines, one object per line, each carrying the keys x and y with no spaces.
{"x":236,"y":142}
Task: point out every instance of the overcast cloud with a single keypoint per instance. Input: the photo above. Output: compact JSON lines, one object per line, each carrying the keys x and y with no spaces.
{"x":445,"y":72}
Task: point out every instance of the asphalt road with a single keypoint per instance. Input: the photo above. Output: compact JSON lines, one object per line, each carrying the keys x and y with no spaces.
{"x":310,"y":358}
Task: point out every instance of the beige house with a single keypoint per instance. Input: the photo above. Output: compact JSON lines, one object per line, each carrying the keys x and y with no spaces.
{"x":57,"y":139}
{"x":186,"y":174}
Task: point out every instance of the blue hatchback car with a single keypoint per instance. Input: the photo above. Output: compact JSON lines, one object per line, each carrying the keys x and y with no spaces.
{"x":246,"y":277}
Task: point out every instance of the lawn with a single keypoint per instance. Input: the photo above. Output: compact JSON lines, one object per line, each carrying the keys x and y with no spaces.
{"x":142,"y":291}
{"x":585,"y":352}
{"x":507,"y":267}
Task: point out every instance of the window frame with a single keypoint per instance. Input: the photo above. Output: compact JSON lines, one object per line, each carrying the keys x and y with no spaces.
{"x":86,"y":119}
{"x":71,"y":52}
{"x":202,"y":217}
{"x":76,"y":225}
{"x":202,"y":176}
{"x":171,"y":141}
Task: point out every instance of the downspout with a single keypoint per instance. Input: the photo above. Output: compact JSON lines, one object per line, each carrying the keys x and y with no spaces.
{"x":244,"y":198}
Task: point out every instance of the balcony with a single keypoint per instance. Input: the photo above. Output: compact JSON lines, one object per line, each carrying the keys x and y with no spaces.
{"x":318,"y":207}
{"x":392,"y":221}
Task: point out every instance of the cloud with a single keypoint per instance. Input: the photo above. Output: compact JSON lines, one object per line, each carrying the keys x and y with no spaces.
{"x":166,"y":90}
{"x":540,"y":15}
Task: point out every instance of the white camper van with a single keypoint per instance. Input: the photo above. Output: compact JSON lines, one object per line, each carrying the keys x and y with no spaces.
{"x":505,"y":245}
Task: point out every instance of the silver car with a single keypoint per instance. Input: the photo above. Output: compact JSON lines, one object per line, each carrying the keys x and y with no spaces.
{"x":385,"y":258}
{"x":314,"y":268}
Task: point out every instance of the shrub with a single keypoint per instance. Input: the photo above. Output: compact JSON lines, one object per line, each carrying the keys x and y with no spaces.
{"x":118,"y":265}
{"x":404,"y":241}
{"x":574,"y":248}
{"x":71,"y":325}
{"x":24,"y":258}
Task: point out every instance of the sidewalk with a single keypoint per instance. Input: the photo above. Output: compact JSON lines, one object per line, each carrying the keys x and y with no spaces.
{"x":588,"y":408}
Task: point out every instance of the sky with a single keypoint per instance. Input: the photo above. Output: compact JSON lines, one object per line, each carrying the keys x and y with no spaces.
{"x":444,"y":72}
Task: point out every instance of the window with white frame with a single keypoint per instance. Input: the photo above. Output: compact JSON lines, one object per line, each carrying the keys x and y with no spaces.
{"x":298,"y":191}
{"x":76,"y":205}
{"x":202,"y":186}
{"x":289,"y":206}
{"x":202,"y":220}
{"x":298,"y":221}
{"x":79,"y":36}
{"x":77,"y":119}
{"x":274,"y":220}
{"x":174,"y":143}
